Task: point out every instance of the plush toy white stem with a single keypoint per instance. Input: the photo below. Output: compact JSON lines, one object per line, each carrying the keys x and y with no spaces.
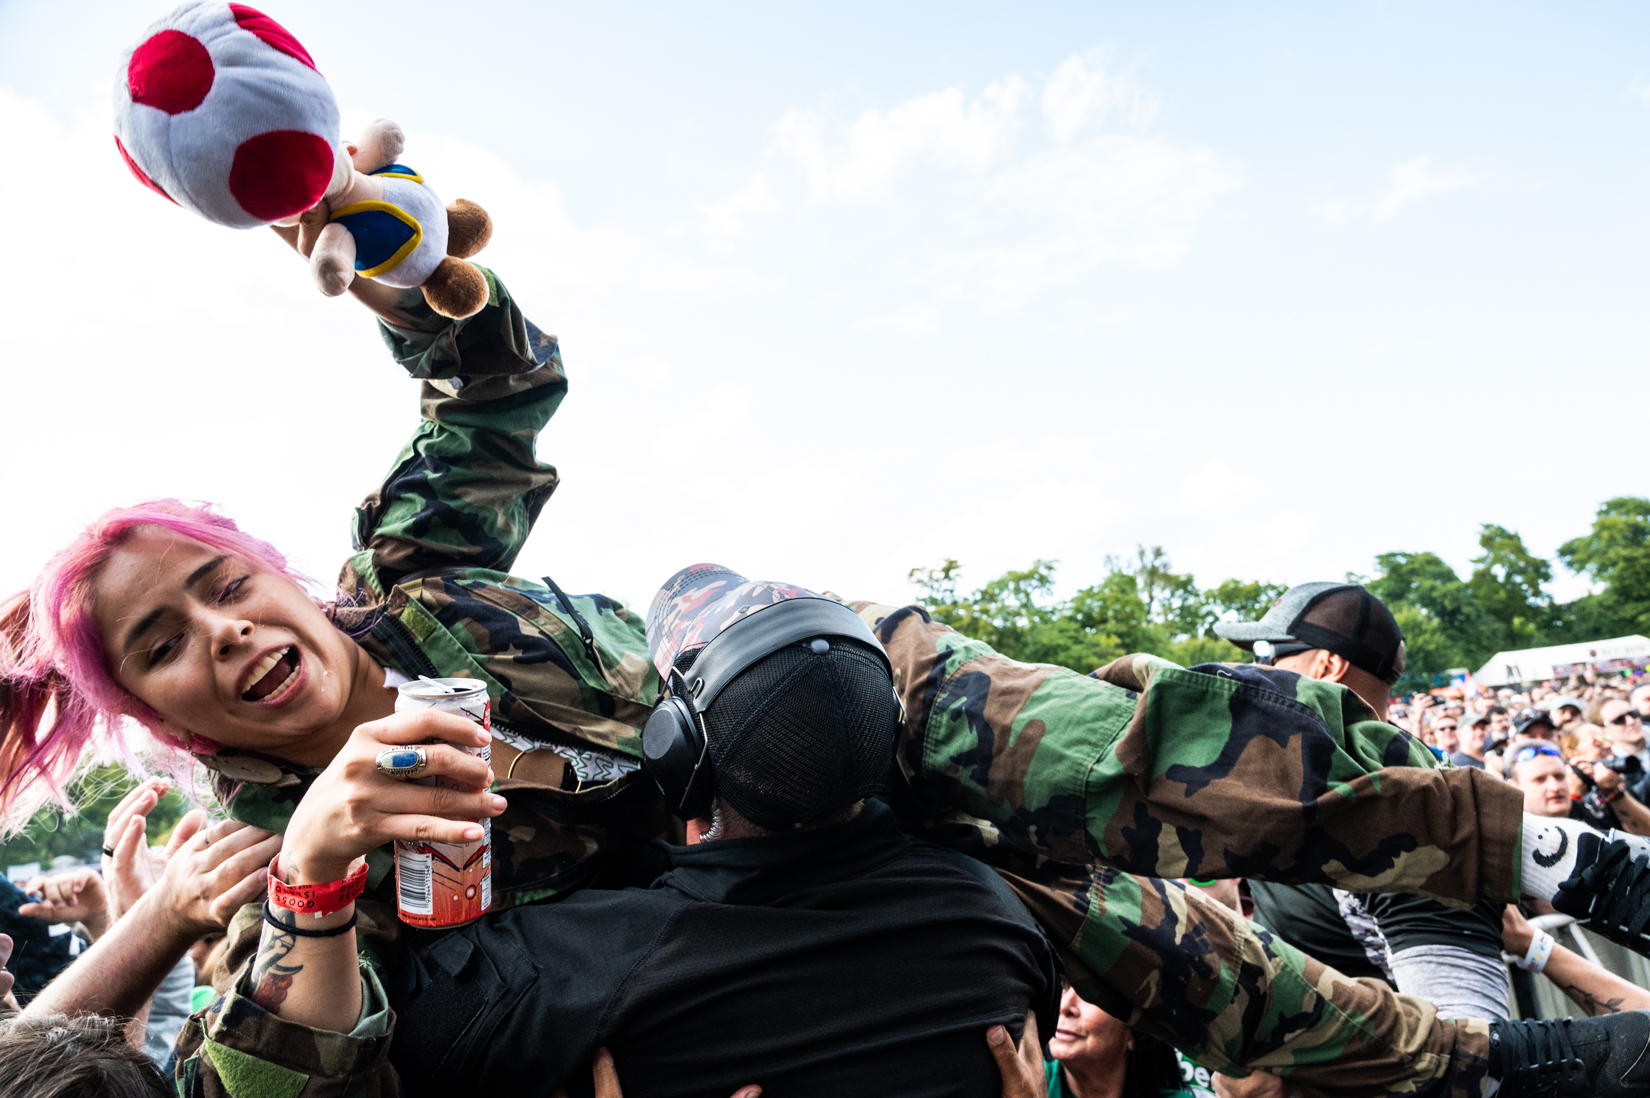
{"x":333,"y":261}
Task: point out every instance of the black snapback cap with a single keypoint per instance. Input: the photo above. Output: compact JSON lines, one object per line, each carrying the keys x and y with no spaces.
{"x":1342,"y":618}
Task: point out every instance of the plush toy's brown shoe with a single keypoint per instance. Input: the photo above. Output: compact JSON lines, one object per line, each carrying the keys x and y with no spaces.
{"x":456,"y":289}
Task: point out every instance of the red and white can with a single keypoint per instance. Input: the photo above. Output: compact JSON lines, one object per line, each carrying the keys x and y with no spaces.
{"x":446,"y":884}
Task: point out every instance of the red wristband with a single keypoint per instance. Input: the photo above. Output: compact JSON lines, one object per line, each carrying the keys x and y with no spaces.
{"x":316,"y":899}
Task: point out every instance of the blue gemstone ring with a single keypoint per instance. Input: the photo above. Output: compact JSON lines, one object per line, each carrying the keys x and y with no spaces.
{"x":402,"y":762}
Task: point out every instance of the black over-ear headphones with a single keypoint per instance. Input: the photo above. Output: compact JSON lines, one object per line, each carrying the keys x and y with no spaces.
{"x":674,"y":749}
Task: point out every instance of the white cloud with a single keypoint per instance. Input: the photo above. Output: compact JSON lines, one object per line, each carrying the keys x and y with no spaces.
{"x":1081,"y":92}
{"x":916,"y":321}
{"x":1639,"y":89}
{"x":1012,"y":208}
{"x":944,"y":126}
{"x":724,"y":222}
{"x":1407,"y":183}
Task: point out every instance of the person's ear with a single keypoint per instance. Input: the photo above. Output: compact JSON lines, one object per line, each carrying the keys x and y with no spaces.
{"x":1334,"y":667}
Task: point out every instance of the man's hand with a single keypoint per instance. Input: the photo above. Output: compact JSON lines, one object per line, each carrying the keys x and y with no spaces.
{"x":1021,"y":1068}
{"x":73,"y":897}
{"x":353,"y":808}
{"x":7,"y":999}
{"x":211,"y":872}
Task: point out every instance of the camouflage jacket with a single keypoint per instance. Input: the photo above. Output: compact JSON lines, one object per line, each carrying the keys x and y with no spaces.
{"x":428,"y":591}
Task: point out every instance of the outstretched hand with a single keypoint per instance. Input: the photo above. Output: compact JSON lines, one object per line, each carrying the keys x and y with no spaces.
{"x":1022,"y":1067}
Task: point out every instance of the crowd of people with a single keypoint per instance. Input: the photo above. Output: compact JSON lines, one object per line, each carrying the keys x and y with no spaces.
{"x":1575,"y":748}
{"x":761,"y":839}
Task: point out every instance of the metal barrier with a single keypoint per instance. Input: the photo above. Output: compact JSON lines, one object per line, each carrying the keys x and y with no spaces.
{"x":1550,"y":1002}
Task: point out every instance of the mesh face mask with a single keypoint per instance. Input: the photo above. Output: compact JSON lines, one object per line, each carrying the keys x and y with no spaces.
{"x":1356,"y":625}
{"x":801,"y":732}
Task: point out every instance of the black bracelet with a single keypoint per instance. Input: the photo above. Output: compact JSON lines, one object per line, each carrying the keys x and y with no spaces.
{"x":333,"y":932}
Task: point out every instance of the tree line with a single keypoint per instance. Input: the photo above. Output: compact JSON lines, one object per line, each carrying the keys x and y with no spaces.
{"x":1141,"y":604}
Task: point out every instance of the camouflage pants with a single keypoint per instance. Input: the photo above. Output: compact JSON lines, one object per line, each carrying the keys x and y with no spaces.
{"x":1153,"y":771}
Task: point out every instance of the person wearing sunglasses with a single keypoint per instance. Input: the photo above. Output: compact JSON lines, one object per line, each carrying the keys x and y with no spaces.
{"x":1625,"y":727}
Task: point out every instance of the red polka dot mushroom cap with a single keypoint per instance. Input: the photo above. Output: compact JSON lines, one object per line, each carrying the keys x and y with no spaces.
{"x":220,"y":109}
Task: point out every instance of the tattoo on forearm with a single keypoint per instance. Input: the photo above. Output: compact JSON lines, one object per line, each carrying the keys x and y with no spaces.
{"x":272,"y":973}
{"x":1591,"y":1003}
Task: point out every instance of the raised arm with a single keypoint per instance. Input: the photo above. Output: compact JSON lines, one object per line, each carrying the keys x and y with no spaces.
{"x":468,"y":486}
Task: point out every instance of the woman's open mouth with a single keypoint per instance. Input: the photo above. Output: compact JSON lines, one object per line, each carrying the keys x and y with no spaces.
{"x":273,"y":673}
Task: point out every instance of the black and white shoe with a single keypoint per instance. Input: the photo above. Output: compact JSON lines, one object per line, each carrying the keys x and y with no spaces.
{"x":1609,"y":891}
{"x":1606,"y":1057}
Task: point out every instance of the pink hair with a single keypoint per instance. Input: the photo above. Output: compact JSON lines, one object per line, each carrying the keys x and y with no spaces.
{"x":57,"y":693}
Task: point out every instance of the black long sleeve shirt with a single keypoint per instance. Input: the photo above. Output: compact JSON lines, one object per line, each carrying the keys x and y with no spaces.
{"x":851,"y":960}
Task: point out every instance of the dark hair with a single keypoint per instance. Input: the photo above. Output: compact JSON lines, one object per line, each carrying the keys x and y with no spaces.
{"x":87,"y":1057}
{"x":1151,"y":1068}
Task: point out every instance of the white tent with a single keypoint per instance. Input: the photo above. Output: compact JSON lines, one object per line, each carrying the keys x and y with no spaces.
{"x":1559,"y":660}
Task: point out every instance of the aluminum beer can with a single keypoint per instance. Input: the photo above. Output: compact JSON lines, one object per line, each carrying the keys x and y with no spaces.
{"x":446,"y":884}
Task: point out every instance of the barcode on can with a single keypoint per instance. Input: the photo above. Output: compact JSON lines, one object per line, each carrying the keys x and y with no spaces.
{"x":414,"y":880}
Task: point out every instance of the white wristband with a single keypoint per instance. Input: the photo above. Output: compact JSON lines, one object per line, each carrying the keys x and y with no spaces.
{"x":1541,"y":947}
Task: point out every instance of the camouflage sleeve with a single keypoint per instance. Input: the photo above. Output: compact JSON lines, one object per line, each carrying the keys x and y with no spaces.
{"x":1218,"y":771}
{"x":468,"y":486}
{"x":236,"y":1049}
{"x":1177,"y":964}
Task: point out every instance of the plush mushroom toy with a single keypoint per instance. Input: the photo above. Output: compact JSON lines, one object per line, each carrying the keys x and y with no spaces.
{"x":219,"y":109}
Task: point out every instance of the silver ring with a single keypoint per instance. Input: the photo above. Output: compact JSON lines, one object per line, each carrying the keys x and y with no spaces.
{"x":402,"y":762}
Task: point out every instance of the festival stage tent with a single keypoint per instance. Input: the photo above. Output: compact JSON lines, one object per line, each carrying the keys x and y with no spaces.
{"x":1560,"y":660}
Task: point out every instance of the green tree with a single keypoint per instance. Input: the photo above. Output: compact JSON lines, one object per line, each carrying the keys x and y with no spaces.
{"x":54,"y":832}
{"x":1615,"y":553}
{"x":1621,"y":528}
{"x":1510,"y":584}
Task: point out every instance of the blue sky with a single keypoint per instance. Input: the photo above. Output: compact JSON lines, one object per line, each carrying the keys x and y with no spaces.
{"x":844,"y":290}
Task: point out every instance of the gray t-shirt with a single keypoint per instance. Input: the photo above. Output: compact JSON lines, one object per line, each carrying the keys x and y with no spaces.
{"x":1461,"y":758}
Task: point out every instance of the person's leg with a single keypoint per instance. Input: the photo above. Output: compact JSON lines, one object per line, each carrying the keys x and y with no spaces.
{"x":1176,"y":964}
{"x":1167,"y":772}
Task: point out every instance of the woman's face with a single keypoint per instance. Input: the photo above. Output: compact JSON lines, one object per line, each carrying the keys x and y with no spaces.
{"x":220,"y":647}
{"x":1085,"y":1035}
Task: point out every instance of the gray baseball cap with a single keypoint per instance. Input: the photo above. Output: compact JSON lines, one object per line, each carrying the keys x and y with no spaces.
{"x":1340,"y":617}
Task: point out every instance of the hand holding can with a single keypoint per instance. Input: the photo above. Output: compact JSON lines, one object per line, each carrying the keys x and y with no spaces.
{"x":353,"y":807}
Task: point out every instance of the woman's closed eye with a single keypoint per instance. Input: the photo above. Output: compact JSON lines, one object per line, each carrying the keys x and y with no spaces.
{"x":232,"y":589}
{"x":165,"y":648}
